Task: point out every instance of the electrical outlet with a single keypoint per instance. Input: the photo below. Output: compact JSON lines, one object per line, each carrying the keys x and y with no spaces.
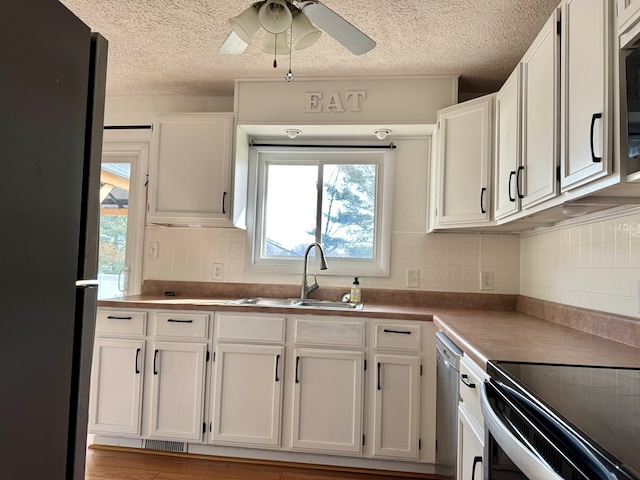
{"x":413,"y":278}
{"x":486,"y":280}
{"x":153,"y":250}
{"x":217,"y":271}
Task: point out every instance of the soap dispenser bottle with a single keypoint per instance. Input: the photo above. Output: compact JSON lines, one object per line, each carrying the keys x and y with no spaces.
{"x":355,"y":292}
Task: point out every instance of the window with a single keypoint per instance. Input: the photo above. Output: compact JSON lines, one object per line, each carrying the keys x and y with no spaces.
{"x":339,"y":197}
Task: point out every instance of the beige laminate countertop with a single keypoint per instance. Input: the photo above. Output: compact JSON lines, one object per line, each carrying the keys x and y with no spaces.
{"x":515,"y":336}
{"x":482,"y":334}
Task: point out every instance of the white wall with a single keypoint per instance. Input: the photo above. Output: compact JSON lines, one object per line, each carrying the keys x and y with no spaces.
{"x":141,"y":110}
{"x":446,"y":262}
{"x":593,"y":265}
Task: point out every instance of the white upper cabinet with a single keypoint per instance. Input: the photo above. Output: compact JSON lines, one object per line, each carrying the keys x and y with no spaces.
{"x":540,"y":115}
{"x":508,"y":168}
{"x":526,"y":159}
{"x":190,"y":171}
{"x":628,"y":13}
{"x":464,"y":164}
{"x":585,"y":90}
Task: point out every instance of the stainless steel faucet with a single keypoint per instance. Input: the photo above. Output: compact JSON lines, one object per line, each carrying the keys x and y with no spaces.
{"x":306,"y":288}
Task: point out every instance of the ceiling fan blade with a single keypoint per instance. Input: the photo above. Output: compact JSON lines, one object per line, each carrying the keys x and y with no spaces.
{"x":336,"y":26}
{"x":233,"y":45}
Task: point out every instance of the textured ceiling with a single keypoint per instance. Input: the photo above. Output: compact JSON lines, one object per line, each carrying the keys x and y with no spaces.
{"x":170,"y":47}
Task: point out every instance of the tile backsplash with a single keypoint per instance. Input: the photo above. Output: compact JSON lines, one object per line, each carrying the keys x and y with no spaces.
{"x":591,"y":265}
{"x":446,"y":262}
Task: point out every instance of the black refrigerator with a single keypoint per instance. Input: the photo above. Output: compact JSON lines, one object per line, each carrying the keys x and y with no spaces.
{"x":52,"y":84}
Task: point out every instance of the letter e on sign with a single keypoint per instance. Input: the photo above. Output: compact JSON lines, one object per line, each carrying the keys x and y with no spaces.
{"x":313,"y":104}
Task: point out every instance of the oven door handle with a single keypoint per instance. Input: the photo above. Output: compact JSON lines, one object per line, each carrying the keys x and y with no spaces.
{"x":529,"y":463}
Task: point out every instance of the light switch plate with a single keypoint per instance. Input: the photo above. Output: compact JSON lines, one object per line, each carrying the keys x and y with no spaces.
{"x":413,"y":278}
{"x":153,"y":250}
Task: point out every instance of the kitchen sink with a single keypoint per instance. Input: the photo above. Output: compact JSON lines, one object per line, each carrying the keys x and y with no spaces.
{"x":296,"y":303}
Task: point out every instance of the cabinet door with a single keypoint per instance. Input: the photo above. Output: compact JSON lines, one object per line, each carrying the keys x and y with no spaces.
{"x":396,"y":406}
{"x":116,"y":386}
{"x":628,"y":11}
{"x":327,"y":400}
{"x":541,"y":77}
{"x":470,"y":448}
{"x":508,"y":170}
{"x":464,"y":196}
{"x":190,"y":169}
{"x":177,"y":390}
{"x":248,"y":394}
{"x":585,"y":139}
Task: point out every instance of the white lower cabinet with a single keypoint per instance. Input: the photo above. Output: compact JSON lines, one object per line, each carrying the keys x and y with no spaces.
{"x":298,"y":385}
{"x":177,"y":390}
{"x":397,"y":406}
{"x":471,"y":446}
{"x":470,"y":422}
{"x":116,"y":386}
{"x":327,"y":405}
{"x":247,"y":398}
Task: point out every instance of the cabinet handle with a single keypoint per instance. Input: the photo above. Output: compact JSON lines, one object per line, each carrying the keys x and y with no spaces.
{"x":593,"y":124}
{"x":464,"y":377}
{"x":176,"y":320}
{"x":476,"y":461}
{"x":137,"y":359}
{"x":482,"y":190}
{"x":405,"y":332}
{"x":511,"y":174}
{"x":277,"y":362}
{"x":224,"y":197}
{"x":519,"y":182}
{"x":379,"y":387}
{"x":297,"y":363}
{"x":155,"y":358}
{"x":111,"y":317}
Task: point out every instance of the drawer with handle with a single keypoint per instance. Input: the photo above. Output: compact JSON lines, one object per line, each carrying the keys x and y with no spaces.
{"x":182,"y":324}
{"x":121,"y":322}
{"x":397,"y":336}
{"x":471,"y":378}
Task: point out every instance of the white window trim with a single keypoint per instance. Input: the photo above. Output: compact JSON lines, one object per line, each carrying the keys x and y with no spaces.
{"x":379,"y":266}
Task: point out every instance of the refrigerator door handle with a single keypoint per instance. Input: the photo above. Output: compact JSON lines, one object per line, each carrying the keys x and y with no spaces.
{"x":87,"y":283}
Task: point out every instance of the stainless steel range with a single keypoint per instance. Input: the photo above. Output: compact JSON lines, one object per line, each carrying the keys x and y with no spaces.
{"x":561,"y":422}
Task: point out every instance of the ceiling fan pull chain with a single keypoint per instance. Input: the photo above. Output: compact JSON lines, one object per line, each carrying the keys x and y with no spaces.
{"x":275,"y":52}
{"x":289,"y":76}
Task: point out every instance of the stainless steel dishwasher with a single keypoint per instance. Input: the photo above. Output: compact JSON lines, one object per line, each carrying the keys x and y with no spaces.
{"x":447,"y":395}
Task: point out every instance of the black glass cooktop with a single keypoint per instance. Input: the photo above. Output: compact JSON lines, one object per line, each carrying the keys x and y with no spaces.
{"x":602,"y":404}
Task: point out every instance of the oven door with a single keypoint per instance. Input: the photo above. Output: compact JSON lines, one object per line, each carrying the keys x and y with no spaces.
{"x":525,"y":440}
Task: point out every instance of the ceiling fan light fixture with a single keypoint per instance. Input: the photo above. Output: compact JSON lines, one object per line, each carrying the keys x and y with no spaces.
{"x":381,"y":133}
{"x":303,"y":31}
{"x":292,"y":132}
{"x":275,"y":16}
{"x":276,"y":44}
{"x":246,"y":24}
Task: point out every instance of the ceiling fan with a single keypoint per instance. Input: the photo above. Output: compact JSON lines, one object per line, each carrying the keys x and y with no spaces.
{"x":277,"y":17}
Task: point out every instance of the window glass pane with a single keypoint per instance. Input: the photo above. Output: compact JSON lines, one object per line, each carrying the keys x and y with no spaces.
{"x":290,"y":209}
{"x":348,"y":210}
{"x":114,"y":209}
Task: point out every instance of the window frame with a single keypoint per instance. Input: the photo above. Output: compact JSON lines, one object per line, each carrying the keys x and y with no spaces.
{"x":259,"y":156}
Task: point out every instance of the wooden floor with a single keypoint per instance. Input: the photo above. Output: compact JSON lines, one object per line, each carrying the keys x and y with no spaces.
{"x":117,"y":465}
